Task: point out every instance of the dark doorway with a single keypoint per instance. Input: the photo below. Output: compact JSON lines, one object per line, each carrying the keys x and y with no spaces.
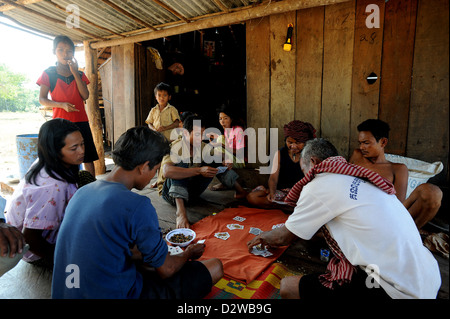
{"x":214,"y":61}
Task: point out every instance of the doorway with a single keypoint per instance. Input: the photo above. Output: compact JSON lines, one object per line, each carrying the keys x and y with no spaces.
{"x":214,"y":62}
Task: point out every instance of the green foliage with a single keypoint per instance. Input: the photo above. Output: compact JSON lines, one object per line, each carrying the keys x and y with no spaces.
{"x":14,"y":96}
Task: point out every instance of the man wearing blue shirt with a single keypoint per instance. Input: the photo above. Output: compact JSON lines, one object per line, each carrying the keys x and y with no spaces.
{"x":110,"y":244}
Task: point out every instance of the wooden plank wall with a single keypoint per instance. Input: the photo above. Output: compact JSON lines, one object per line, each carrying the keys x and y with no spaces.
{"x":323,"y":80}
{"x":123,"y":89}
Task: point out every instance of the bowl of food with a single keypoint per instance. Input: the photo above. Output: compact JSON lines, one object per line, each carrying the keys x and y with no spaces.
{"x":180,"y":237}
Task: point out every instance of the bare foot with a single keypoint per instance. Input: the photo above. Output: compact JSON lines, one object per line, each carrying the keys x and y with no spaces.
{"x":183,"y":222}
{"x":218,"y":187}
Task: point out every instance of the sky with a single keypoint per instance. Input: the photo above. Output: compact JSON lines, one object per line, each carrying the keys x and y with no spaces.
{"x":26,"y":53}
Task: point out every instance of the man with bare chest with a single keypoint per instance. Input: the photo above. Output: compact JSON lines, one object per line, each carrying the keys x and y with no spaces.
{"x":424,"y":201}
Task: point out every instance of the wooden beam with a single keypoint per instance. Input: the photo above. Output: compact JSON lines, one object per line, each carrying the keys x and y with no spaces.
{"x":174,"y":12}
{"x":43,"y":16}
{"x":92,"y":109}
{"x":129,"y":15}
{"x":262,"y":10}
{"x":221,"y":5}
{"x":8,"y":7}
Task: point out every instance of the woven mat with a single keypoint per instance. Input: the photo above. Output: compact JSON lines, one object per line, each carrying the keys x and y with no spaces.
{"x":266,"y":286}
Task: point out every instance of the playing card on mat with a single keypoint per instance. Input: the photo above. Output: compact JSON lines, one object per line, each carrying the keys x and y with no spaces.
{"x":222,"y":235}
{"x":234,"y":226}
{"x":239,"y":218}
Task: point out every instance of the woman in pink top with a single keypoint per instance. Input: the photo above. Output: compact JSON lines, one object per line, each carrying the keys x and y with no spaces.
{"x":38,"y":204}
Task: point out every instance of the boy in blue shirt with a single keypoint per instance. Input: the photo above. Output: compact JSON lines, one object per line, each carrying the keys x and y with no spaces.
{"x":110,"y":244}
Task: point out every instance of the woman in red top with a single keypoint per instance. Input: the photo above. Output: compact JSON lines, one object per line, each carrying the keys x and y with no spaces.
{"x":68,"y":90}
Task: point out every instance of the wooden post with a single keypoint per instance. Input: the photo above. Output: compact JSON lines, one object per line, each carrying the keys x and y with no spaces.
{"x":92,"y":108}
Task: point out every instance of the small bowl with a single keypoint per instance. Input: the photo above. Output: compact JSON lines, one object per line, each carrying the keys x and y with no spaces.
{"x":184,"y":231}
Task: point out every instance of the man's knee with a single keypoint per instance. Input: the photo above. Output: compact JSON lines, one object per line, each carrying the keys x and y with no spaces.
{"x":429,"y":194}
{"x":215,"y":268}
{"x":289,"y":287}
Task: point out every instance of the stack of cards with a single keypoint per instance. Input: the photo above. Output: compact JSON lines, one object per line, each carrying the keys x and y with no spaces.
{"x":221,"y":169}
{"x":255,"y":231}
{"x":239,"y":218}
{"x":259,"y":251}
{"x":234,"y":226}
{"x":222,"y":235}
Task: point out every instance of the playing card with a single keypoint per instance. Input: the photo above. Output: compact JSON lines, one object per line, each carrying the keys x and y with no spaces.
{"x":222,"y":235}
{"x":277,"y":225}
{"x":255,"y":231}
{"x":174,"y":250}
{"x":239,"y":218}
{"x":221,"y":169}
{"x":234,"y":226}
{"x":201,"y":241}
{"x":266,"y":253}
{"x":280,"y":202}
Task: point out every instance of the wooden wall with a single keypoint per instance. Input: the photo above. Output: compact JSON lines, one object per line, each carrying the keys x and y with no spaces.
{"x":323,"y":80}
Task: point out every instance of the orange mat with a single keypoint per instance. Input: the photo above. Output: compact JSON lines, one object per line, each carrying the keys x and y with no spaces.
{"x":238,"y":263}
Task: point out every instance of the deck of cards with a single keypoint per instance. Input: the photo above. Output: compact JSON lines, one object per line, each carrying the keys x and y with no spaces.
{"x":255,"y":231}
{"x":260,"y":251}
{"x":222,"y":235}
{"x":221,"y":169}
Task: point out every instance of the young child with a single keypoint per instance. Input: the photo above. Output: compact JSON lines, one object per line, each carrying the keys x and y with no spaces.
{"x":38,"y":204}
{"x":68,"y":90}
{"x":113,"y":237}
{"x":163,"y":117}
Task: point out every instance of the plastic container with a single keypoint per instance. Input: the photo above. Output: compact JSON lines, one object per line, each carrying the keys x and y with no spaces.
{"x":27,"y":151}
{"x":184,"y":231}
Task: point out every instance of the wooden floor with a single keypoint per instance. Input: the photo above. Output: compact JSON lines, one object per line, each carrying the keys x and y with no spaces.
{"x":26,"y":282}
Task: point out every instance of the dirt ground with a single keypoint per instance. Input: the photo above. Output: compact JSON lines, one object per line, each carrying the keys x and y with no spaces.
{"x":12,"y":124}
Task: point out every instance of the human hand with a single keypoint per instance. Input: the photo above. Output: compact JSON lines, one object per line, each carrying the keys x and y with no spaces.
{"x":176,"y":68}
{"x":161,"y":128}
{"x":207,"y":171}
{"x":257,"y":240}
{"x":68,"y":107}
{"x":195,"y":251}
{"x":12,"y":238}
{"x":270,"y":197}
{"x":228,"y":165}
{"x":73,"y":65}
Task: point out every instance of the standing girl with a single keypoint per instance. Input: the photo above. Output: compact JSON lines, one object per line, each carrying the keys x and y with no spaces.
{"x":68,"y":90}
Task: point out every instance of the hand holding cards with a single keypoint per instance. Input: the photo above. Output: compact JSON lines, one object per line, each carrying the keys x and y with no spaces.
{"x":258,"y":250}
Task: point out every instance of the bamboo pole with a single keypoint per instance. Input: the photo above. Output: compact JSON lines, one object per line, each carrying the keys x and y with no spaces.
{"x":262,"y":10}
{"x":92,"y":109}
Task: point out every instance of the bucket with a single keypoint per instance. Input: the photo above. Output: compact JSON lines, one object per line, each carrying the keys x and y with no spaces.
{"x":27,"y":151}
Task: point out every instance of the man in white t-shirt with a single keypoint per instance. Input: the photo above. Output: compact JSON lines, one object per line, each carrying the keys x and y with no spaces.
{"x":372,"y":229}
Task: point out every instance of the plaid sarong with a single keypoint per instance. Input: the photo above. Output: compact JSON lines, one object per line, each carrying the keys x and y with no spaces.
{"x":339,"y":269}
